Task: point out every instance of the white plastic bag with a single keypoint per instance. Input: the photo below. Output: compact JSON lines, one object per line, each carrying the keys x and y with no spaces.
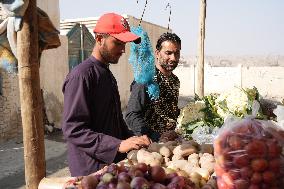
{"x":279,"y":112}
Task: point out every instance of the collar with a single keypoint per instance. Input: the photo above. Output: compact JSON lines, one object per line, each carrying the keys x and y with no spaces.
{"x":99,"y":63}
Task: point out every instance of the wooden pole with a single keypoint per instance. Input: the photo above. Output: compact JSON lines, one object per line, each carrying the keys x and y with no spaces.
{"x":30,"y":98}
{"x":200,"y":65}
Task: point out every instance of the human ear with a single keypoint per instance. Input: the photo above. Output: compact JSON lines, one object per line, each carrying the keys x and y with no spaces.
{"x":99,"y":39}
{"x":157,"y":53}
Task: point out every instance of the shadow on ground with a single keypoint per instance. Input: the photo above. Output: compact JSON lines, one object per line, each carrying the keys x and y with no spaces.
{"x":55,"y":136}
{"x":55,"y":161}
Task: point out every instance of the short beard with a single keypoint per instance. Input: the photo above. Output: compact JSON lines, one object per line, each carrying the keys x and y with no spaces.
{"x":108,"y":58}
{"x":166,"y":66}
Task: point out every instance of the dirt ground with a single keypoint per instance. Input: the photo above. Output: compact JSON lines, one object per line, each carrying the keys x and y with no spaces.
{"x":12,"y":160}
{"x":12,"y":173}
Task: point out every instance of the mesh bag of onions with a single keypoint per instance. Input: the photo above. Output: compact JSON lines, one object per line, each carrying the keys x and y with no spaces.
{"x":249,"y":155}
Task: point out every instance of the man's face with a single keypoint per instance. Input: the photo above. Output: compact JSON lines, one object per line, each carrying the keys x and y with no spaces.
{"x":111,"y":49}
{"x":168,"y":57}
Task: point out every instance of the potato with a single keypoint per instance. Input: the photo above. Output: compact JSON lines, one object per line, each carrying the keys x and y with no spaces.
{"x":171,"y":143}
{"x":195,"y":176}
{"x":154,"y":147}
{"x":206,"y":148}
{"x":207,"y":161}
{"x":203,"y":172}
{"x":166,"y":160}
{"x":193,"y":159}
{"x":184,"y":150}
{"x":182,"y":173}
{"x":149,"y":158}
{"x":132,"y":155}
{"x":190,"y":142}
{"x":165,"y":151}
{"x":177,"y":157}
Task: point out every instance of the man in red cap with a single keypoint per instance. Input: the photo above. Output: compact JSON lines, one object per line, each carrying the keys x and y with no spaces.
{"x":93,"y":125}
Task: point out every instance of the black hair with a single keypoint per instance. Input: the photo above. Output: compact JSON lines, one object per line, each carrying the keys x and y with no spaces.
{"x":104,"y":35}
{"x":167,"y":37}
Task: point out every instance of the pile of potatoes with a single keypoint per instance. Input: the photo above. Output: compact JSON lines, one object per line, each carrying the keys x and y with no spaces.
{"x":186,"y":158}
{"x":249,"y":156}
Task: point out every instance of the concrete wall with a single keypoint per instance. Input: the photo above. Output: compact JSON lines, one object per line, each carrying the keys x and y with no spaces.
{"x":267,"y":79}
{"x":53,"y":70}
{"x":51,"y":7}
{"x":10,"y":113}
{"x":54,"y":67}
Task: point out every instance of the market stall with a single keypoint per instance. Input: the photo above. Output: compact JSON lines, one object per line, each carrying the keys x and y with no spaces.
{"x":247,"y":152}
{"x":226,"y":141}
{"x":160,"y":165}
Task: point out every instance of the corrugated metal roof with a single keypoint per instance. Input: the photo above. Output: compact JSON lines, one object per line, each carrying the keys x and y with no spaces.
{"x":90,"y":22}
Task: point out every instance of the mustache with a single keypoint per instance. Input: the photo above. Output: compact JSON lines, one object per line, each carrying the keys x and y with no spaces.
{"x":173,"y":63}
{"x":169,"y":64}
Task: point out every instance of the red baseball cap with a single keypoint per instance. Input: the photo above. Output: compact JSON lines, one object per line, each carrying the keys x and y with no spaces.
{"x":117,"y":26}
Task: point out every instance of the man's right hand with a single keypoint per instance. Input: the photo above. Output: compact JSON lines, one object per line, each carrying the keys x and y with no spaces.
{"x":135,"y":142}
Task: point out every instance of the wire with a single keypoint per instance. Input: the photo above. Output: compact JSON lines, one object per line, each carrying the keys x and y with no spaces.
{"x":142,"y":12}
{"x":170,"y":7}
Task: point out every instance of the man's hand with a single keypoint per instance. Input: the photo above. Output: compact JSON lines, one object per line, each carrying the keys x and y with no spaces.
{"x":134,"y":143}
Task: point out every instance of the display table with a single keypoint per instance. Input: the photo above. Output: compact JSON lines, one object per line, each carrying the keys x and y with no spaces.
{"x":56,"y":183}
{"x":64,"y":182}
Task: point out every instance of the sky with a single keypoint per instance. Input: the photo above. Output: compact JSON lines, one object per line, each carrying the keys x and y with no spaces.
{"x":233,"y":27}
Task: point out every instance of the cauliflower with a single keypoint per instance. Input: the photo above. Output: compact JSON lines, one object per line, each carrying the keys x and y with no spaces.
{"x":234,"y":102}
{"x":191,"y":112}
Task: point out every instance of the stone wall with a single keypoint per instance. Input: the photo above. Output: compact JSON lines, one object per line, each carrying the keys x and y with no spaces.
{"x":10,"y":113}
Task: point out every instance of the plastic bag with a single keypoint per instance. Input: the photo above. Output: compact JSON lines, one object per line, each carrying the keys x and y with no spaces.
{"x":204,"y":134}
{"x":279,"y":112}
{"x":248,"y":154}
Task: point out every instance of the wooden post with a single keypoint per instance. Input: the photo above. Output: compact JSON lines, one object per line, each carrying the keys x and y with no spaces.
{"x":30,"y":98}
{"x":200,"y":65}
